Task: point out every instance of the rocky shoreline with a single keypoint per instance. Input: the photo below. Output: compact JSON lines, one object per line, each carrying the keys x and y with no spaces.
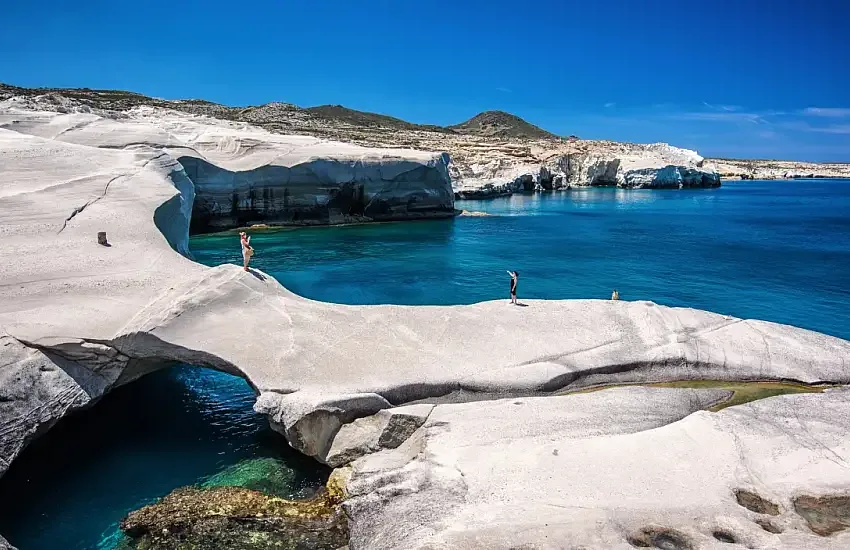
{"x":730,"y":169}
{"x":364,"y":387}
{"x":492,"y":154}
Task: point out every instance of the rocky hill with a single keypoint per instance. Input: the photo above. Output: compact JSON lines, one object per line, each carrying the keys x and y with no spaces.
{"x":339,"y":114}
{"x":500,"y":124}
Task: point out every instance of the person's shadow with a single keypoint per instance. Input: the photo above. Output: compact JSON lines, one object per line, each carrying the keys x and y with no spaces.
{"x":520,"y":304}
{"x":257,"y":274}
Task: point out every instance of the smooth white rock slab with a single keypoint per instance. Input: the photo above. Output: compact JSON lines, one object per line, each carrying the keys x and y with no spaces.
{"x":590,"y":470}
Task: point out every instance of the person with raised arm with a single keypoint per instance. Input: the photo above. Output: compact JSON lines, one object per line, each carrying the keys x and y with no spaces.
{"x":514,"y":279}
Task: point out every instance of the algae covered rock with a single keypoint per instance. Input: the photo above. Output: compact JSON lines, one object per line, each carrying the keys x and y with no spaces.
{"x":236,"y":517}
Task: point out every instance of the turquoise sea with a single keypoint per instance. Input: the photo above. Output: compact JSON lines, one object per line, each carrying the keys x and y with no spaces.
{"x":776,"y":250}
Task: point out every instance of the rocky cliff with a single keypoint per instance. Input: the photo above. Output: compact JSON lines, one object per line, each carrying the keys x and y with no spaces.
{"x":241,"y":175}
{"x":657,"y":166}
{"x":492,"y":153}
{"x":777,"y":169}
{"x":322,"y":191}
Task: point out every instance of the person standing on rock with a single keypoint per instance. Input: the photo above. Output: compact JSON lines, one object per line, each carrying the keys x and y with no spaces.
{"x":514,"y":279}
{"x":247,"y":250}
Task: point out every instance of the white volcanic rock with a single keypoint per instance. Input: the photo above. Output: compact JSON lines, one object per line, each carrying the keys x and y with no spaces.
{"x":777,"y":169}
{"x":387,"y":429}
{"x":81,"y":318}
{"x":557,"y":165}
{"x":244,"y":175}
{"x":603,"y":470}
{"x":36,"y":390}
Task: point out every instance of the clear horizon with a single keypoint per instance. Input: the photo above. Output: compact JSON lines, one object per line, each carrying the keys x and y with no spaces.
{"x":735,"y":81}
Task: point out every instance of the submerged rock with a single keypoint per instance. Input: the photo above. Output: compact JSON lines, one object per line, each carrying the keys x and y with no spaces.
{"x":236,"y":517}
{"x":266,"y":475}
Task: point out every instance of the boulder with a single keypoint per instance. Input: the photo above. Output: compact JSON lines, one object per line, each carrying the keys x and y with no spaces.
{"x":387,"y":429}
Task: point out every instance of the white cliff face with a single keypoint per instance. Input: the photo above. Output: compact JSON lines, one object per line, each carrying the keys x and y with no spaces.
{"x":559,"y":165}
{"x":777,"y":169}
{"x":79,"y":319}
{"x":243,"y":175}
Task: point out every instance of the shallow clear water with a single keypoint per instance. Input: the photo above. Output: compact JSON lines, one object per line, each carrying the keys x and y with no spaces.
{"x":771,"y":250}
{"x":777,"y":250}
{"x":177,"y":427}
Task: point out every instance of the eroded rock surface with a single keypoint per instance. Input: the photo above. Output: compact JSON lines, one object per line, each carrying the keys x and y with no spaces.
{"x":618,"y":468}
{"x":239,"y":175}
{"x":36,"y":390}
{"x":825,"y":515}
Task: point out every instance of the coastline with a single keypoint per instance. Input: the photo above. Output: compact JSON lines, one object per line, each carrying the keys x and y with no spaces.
{"x":140,"y":305}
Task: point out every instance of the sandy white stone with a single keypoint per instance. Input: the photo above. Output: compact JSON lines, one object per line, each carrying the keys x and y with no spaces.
{"x":592,"y":470}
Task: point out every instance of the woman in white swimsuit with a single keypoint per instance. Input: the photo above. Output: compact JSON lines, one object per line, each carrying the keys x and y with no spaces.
{"x":247,"y":251}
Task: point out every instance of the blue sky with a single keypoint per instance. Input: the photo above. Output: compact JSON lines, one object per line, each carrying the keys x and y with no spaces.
{"x":748,"y":78}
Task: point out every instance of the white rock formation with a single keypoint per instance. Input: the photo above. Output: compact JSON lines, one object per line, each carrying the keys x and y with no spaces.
{"x":243,"y":175}
{"x":557,"y":165}
{"x":78,"y":318}
{"x":616,"y":469}
{"x":777,"y":169}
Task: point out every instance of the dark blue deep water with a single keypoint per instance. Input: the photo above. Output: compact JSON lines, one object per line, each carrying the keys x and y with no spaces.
{"x":70,"y":488}
{"x":769,"y":250}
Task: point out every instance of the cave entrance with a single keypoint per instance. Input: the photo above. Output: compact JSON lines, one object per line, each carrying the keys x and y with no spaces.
{"x":179,"y":426}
